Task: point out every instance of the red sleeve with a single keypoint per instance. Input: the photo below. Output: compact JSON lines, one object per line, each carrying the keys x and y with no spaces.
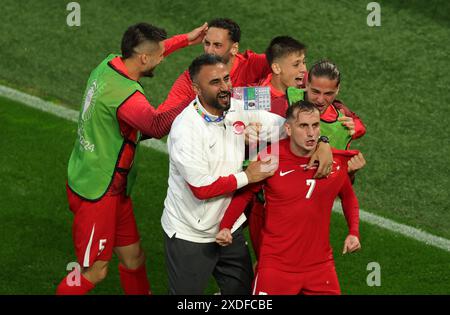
{"x":350,"y":206}
{"x":360,"y":128}
{"x":223,"y":185}
{"x":174,"y":43}
{"x":180,"y":92}
{"x":238,"y":204}
{"x":259,"y":66}
{"x":137,"y":112}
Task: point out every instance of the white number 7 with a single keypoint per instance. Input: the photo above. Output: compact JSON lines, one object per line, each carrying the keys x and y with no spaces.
{"x":312,"y":184}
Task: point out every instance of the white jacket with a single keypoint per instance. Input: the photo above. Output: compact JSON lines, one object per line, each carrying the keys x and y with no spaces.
{"x":202,"y":154}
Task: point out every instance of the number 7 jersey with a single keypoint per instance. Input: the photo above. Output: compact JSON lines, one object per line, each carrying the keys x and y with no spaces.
{"x":295,"y":236}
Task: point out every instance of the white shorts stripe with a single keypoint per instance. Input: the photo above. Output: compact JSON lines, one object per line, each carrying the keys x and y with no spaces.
{"x":254,"y":285}
{"x":88,"y":249}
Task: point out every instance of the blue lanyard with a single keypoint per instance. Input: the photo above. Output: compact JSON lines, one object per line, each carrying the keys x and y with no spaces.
{"x":206,"y":117}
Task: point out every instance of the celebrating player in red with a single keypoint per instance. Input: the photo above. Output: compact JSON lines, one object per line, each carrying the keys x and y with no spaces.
{"x":295,"y":255}
{"x":114,"y":118}
{"x":222,"y":39}
{"x":287,"y":59}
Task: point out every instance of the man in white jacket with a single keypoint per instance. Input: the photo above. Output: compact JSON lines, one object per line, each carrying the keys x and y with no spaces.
{"x":206,"y":150}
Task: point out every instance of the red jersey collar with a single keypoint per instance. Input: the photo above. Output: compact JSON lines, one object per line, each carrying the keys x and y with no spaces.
{"x":118,"y":65}
{"x":237,"y":60}
{"x":274,"y":91}
{"x":330,"y":115}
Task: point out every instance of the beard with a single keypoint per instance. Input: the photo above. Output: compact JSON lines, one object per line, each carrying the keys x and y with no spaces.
{"x":225,"y":57}
{"x":149,"y":73}
{"x":222,"y":101}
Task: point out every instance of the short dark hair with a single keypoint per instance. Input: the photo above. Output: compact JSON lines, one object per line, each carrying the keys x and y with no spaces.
{"x":137,"y":34}
{"x":234,"y":31}
{"x":325,"y":68}
{"x":281,"y":46}
{"x":203,"y":60}
{"x":301,"y":106}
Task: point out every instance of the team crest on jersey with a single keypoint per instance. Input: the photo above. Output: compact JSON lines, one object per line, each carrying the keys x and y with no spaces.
{"x":89,"y":101}
{"x":86,"y":114}
{"x":334,"y":169}
{"x":238,"y":127}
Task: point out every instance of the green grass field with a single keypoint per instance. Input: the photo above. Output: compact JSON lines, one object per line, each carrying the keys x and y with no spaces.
{"x":37,"y":235}
{"x":394,"y":77}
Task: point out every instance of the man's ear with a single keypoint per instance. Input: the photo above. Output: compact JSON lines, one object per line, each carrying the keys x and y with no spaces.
{"x":276,"y":69}
{"x":143,"y":59}
{"x":287,"y":127}
{"x":196,"y":88}
{"x":235,"y":48}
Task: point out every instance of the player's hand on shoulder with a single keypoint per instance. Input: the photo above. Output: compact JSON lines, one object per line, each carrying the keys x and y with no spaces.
{"x":224,"y":237}
{"x":260,"y":170}
{"x":351,"y":244}
{"x":197,"y":34}
{"x":356,"y":163}
{"x":348,"y":122}
{"x":324,"y":157}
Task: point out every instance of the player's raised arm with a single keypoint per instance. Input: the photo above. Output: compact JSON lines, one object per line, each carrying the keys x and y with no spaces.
{"x":177,"y":42}
{"x":180,"y":92}
{"x":138,"y":113}
{"x":350,"y":207}
{"x":197,"y":35}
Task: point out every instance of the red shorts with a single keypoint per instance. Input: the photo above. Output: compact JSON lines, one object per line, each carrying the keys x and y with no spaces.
{"x":321,"y":281}
{"x":100,"y":226}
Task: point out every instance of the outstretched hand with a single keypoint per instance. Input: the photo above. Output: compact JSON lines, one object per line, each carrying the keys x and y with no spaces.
{"x":351,"y":244}
{"x":197,"y":34}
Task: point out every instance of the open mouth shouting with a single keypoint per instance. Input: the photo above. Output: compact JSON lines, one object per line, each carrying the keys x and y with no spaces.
{"x":299,"y":81}
{"x":224,"y":97}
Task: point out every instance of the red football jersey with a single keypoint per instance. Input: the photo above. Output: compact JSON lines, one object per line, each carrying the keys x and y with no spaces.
{"x":295,"y":236}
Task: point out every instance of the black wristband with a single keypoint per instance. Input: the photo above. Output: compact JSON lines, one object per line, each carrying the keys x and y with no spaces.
{"x":324,"y":139}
